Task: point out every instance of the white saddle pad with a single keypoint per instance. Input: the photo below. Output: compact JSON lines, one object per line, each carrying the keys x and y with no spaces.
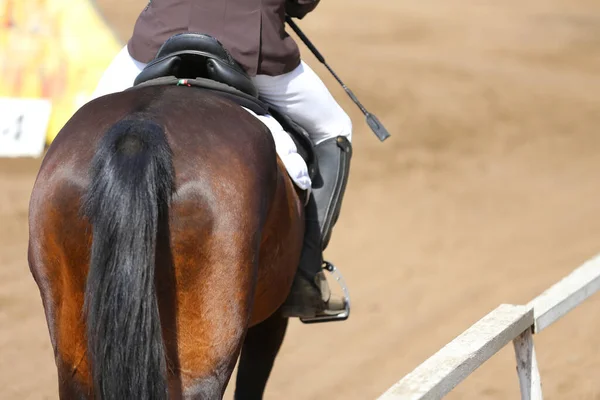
{"x":287,"y":151}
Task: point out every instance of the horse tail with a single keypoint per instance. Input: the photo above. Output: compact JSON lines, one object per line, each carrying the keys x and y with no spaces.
{"x":132,"y":181}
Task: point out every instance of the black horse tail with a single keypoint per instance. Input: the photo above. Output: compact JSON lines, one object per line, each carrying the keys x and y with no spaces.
{"x":131,"y":184}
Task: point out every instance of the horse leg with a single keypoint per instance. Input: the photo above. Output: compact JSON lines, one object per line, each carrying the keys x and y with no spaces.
{"x":260,"y":348}
{"x":277,"y":268}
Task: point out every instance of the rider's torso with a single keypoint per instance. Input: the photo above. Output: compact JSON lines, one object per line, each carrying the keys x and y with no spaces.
{"x":252,"y":30}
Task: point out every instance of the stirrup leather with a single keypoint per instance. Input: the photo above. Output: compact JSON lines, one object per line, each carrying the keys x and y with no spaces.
{"x":342,"y":316}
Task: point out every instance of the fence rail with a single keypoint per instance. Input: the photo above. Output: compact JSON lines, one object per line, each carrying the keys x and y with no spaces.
{"x":566,"y":294}
{"x":440,"y":373}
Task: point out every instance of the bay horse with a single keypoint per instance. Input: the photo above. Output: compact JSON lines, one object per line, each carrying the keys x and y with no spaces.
{"x":165,"y":235}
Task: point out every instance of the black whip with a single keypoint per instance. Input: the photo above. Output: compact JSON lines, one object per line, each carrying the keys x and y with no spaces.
{"x":372,"y":120}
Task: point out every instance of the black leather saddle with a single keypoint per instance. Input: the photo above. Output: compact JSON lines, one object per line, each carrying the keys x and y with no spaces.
{"x":199,"y":60}
{"x":193,"y":55}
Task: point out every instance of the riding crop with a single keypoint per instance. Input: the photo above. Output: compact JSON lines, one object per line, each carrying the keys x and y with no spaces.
{"x":372,"y":120}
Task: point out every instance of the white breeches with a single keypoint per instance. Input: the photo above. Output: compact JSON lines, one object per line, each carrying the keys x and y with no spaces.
{"x":300,"y":94}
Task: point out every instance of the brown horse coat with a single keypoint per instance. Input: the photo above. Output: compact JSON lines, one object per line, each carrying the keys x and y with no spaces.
{"x":221,"y":251}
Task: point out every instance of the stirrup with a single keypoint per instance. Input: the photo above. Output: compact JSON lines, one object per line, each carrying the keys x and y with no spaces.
{"x":337,"y":317}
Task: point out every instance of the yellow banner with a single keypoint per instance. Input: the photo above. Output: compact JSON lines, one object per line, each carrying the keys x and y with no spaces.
{"x":53,"y":49}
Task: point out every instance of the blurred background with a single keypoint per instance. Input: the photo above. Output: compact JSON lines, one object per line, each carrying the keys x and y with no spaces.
{"x":486,"y":193}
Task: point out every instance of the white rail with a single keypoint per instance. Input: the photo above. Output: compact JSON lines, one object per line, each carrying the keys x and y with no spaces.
{"x":566,"y":294}
{"x":459,"y":358}
{"x":439,"y":374}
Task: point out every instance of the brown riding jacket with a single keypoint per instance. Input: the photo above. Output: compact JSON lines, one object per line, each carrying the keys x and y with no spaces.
{"x":253,"y":31}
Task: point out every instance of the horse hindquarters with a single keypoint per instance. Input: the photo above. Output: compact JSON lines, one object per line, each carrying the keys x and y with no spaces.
{"x":58,"y":263}
{"x":130,"y":185}
{"x":211,"y":284}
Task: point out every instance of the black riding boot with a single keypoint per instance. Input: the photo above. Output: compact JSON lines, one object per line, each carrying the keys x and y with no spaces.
{"x":310,"y":296}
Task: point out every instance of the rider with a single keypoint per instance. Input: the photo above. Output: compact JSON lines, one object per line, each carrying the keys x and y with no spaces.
{"x":253,"y":31}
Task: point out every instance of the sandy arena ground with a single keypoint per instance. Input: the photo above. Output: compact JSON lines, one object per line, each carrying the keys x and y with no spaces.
{"x":486,"y":193}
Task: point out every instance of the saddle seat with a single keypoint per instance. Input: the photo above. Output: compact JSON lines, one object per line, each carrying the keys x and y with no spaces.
{"x":193,"y":55}
{"x":200,"y":60}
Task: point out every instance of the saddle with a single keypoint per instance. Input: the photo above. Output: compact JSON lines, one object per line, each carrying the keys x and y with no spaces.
{"x":201,"y":61}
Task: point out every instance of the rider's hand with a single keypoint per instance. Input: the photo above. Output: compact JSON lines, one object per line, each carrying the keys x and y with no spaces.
{"x":299,"y":8}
